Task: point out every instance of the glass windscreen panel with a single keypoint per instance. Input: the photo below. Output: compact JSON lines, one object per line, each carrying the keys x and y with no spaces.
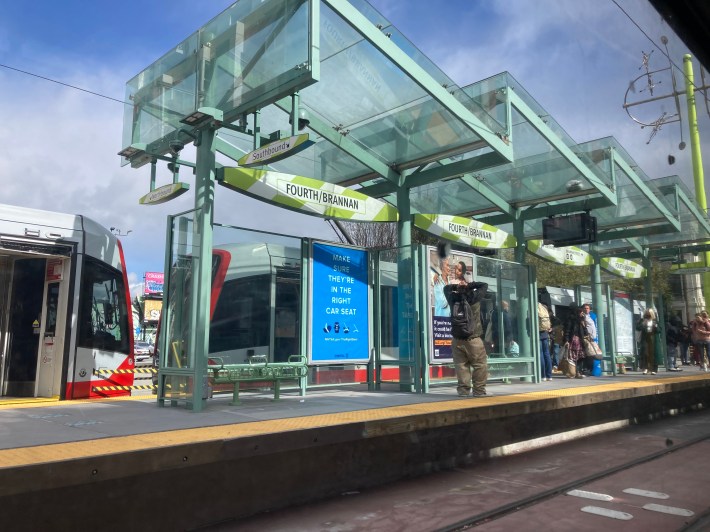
{"x":505,"y":312}
{"x":251,"y":54}
{"x":184,"y":253}
{"x":398,"y":329}
{"x":256,"y":296}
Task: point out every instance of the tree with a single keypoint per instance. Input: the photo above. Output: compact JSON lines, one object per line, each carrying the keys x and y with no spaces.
{"x":380,"y":235}
{"x":370,"y":235}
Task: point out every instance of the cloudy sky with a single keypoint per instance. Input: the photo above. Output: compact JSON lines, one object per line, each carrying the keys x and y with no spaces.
{"x":58,"y":145}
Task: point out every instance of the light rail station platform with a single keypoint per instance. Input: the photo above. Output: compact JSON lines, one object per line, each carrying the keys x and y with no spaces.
{"x":167,"y":468}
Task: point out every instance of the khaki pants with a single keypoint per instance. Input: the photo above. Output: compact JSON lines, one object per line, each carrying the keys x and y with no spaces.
{"x":471,"y":364}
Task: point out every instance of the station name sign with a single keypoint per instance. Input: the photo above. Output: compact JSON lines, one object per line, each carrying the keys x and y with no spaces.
{"x":622,"y":267}
{"x":275,"y":151}
{"x":164,"y":193}
{"x":307,"y":195}
{"x":464,"y":230}
{"x":569,"y":256}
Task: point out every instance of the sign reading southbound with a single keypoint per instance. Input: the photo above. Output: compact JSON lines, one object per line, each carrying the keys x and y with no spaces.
{"x":307,"y":195}
{"x":464,"y":230}
{"x":275,"y":151}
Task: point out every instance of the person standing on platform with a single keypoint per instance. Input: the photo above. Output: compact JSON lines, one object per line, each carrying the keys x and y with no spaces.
{"x":591,"y":318}
{"x":469,"y":353}
{"x":672,"y":337}
{"x":684,"y":344}
{"x":575,"y":331}
{"x":701,"y":333}
{"x":694,"y":340}
{"x":650,"y":349}
{"x":545,"y":326}
{"x":498,"y":346}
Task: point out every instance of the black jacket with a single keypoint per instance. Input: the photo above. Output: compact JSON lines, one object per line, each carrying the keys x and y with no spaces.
{"x":473,"y":293}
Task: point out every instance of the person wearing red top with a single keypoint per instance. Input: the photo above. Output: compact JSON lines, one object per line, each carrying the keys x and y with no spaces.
{"x":701,"y":339}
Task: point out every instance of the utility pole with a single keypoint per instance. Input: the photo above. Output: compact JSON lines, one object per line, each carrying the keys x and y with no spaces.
{"x":698,"y":173}
{"x":665,"y":118}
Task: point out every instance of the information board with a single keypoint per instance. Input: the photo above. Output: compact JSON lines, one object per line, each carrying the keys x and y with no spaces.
{"x":339,"y":305}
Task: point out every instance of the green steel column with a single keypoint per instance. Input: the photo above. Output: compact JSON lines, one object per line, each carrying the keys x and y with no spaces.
{"x":526,"y":334}
{"x":661,"y":316}
{"x":647,"y":285}
{"x":304,"y":315}
{"x":202,"y":280}
{"x":698,"y":174}
{"x":596,"y":277}
{"x":519,"y":233}
{"x":406,"y":301}
{"x":295,"y":109}
{"x":152,"y":174}
{"x":612,"y":328}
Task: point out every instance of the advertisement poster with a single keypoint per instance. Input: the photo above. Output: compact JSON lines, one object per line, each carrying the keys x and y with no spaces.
{"x":339,"y":305}
{"x":624,"y":316}
{"x":443,"y":271}
{"x":153,"y":283}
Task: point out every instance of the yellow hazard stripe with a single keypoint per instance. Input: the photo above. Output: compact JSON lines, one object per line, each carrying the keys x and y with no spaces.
{"x":124,"y":371}
{"x":123,"y":388}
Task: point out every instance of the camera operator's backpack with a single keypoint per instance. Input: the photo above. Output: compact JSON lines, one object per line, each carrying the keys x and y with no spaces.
{"x":461,"y":319}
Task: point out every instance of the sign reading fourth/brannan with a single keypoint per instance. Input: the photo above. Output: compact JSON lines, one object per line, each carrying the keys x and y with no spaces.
{"x":307,"y":195}
{"x":623,"y":268}
{"x":464,"y":230}
{"x":569,"y":256}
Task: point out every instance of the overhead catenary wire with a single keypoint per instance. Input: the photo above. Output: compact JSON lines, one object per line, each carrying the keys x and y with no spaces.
{"x":64,"y":84}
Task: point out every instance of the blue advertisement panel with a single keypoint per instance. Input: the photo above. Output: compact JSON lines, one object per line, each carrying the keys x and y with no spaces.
{"x":339,"y":305}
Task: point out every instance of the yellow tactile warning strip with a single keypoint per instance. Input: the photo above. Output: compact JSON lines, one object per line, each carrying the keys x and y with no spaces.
{"x":26,"y":402}
{"x":124,"y":444}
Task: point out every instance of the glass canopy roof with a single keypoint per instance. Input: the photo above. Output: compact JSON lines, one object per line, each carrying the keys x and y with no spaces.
{"x":376,"y":105}
{"x":694,"y":225}
{"x":383,"y":116}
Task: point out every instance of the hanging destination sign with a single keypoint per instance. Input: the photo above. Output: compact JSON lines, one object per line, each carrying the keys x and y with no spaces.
{"x":307,"y":195}
{"x":164,"y":193}
{"x":569,"y":256}
{"x":275,"y":151}
{"x":622,"y":267}
{"x":464,"y":230}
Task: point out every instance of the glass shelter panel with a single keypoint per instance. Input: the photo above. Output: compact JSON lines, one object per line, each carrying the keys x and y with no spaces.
{"x":396,"y":327}
{"x":510,"y":343}
{"x":513,"y":345}
{"x":177,"y":351}
{"x":256,"y":296}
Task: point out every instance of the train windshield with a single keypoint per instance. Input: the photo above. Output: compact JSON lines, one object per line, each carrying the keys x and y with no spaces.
{"x":103,"y":312}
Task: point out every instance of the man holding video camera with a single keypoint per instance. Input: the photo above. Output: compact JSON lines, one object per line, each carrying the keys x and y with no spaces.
{"x":469,"y":352}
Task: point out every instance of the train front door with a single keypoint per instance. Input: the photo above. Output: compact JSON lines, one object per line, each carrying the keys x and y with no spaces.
{"x":21,"y":320}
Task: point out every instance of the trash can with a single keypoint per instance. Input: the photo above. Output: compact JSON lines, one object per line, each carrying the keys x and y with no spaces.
{"x":597,"y":368}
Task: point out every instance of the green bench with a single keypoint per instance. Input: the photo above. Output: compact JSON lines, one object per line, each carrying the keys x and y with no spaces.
{"x":623,"y":359}
{"x":259,"y":369}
